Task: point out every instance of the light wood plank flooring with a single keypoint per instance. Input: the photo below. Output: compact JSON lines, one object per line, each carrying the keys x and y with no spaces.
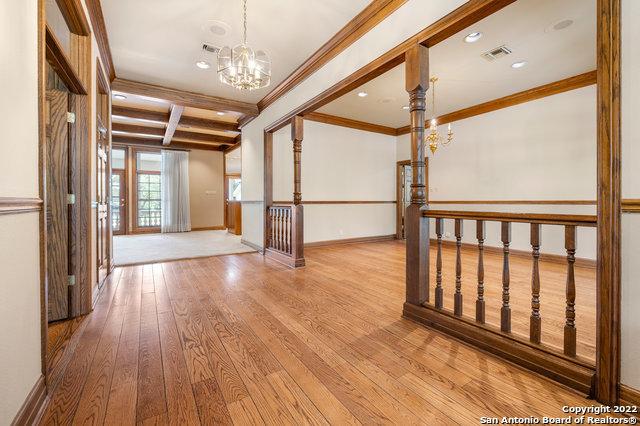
{"x":241,"y":339}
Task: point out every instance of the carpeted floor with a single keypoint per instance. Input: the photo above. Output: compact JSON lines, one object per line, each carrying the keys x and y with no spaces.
{"x":150,"y":248}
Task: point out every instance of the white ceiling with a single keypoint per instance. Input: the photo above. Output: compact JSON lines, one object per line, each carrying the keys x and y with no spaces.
{"x":466,"y":79}
{"x":159,"y":41}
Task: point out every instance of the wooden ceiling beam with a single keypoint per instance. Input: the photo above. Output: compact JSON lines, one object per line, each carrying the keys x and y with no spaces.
{"x":178,"y":134}
{"x":350,"y":123}
{"x":368,"y":18}
{"x":172,"y":125}
{"x":133,"y":141}
{"x":560,"y":86}
{"x":163,"y":117}
{"x":187,"y":99}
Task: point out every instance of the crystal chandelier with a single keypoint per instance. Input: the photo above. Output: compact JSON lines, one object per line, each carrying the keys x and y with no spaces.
{"x":434,"y":138}
{"x":240,"y":67}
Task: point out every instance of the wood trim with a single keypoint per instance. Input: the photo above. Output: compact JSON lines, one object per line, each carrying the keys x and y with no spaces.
{"x":462,"y":17}
{"x":630,"y":205}
{"x":209,"y":228}
{"x":609,"y":202}
{"x":515,"y":202}
{"x":629,"y":396}
{"x":11,"y":205}
{"x":350,"y":123}
{"x":178,"y":134}
{"x":256,"y":247}
{"x":140,"y":114}
{"x":135,"y":229}
{"x":252,"y":201}
{"x":155,"y":143}
{"x":565,"y":85}
{"x":368,"y":18}
{"x":100,"y":34}
{"x":61,"y":63}
{"x":163,"y":117}
{"x":33,"y":406}
{"x":184,"y":98}
{"x":285,"y":260}
{"x":545,"y":257}
{"x":337,"y":202}
{"x":372,"y":239}
{"x":74,"y":16}
{"x":533,"y":357}
{"x":267,"y":171}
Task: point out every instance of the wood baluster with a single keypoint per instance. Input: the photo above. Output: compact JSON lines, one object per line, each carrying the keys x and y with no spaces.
{"x":272,"y":234}
{"x":289,"y":231}
{"x":439,"y":296}
{"x":480,"y":304}
{"x":279,"y":229}
{"x":505,"y":311}
{"x":570,"y":326}
{"x":286,"y":231}
{"x":457,"y":299}
{"x":535,"y":323}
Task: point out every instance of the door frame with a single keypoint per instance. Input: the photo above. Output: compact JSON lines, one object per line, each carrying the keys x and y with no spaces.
{"x":103,"y":89}
{"x":226,"y":195}
{"x":123,"y":191}
{"x":135,"y":229}
{"x":75,"y":71}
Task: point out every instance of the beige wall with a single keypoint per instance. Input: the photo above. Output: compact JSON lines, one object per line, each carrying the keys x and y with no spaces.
{"x":206,"y":188}
{"x":19,"y":244}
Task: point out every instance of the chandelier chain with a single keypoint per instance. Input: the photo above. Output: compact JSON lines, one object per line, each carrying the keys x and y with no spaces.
{"x":245,"y":21}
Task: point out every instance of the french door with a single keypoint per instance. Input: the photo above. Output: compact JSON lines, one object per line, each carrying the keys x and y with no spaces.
{"x":118,"y":202}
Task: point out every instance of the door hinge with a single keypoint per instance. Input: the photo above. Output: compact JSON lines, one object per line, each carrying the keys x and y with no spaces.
{"x":71,"y":280}
{"x":71,"y":117}
{"x":71,"y":199}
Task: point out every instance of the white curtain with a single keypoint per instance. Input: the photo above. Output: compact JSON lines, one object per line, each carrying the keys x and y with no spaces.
{"x":175,"y":191}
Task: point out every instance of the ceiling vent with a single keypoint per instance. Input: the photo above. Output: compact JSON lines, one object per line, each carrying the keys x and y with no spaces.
{"x":210,"y":48}
{"x":496,"y":53}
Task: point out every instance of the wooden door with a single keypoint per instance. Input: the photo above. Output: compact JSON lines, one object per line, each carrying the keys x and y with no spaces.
{"x":118,"y":202}
{"x":102,"y":198}
{"x":57,"y":216}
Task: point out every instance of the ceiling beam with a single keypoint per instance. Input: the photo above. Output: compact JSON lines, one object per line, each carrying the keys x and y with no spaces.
{"x":368,"y":18}
{"x":348,"y":122}
{"x":467,"y":14}
{"x":560,"y":86}
{"x":163,"y":117}
{"x":178,"y":134}
{"x":133,"y":141}
{"x":187,"y":99}
{"x":172,"y":125}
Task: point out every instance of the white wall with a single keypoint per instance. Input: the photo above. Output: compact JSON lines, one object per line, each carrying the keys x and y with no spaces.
{"x":630,"y":189}
{"x":545,"y":149}
{"x":405,"y":22}
{"x":339,"y":164}
{"x":19,"y":246}
{"x":206,"y":189}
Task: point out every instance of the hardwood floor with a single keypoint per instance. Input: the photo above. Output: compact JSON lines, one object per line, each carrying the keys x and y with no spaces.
{"x":241,"y":339}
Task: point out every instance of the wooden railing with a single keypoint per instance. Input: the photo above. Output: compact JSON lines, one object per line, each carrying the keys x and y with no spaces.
{"x":284,"y":222}
{"x":562,"y":365}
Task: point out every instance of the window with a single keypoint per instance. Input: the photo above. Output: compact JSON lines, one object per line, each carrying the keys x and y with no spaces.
{"x":235,"y":189}
{"x":149,"y":207}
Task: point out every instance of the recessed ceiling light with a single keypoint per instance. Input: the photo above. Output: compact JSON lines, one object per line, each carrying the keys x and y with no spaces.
{"x":473,"y":37}
{"x":405,"y":107}
{"x":518,"y":64}
{"x":362,"y":94}
{"x":563,"y":24}
{"x":119,"y":96}
{"x":218,"y":30}
{"x":220,"y":113}
{"x":203,"y":65}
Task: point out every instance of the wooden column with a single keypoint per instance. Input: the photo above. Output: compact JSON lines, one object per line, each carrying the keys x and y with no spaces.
{"x":268,"y":185}
{"x":297,"y":213}
{"x":416,"y":226}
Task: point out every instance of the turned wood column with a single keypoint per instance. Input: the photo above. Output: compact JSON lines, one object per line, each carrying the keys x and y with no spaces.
{"x":297,"y":212}
{"x":416,"y":226}
{"x":296,"y":137}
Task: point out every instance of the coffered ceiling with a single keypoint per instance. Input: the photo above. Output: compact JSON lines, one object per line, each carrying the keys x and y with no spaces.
{"x":159,"y":41}
{"x":526,"y":27}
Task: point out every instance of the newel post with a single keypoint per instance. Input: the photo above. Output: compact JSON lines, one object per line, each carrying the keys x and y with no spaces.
{"x":416,"y":226}
{"x":297,"y":216}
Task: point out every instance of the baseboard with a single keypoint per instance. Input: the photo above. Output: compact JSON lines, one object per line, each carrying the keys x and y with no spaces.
{"x":256,"y":247}
{"x":33,"y":406}
{"x":629,"y":396}
{"x":209,"y":228}
{"x":371,"y":239}
{"x":545,"y":257}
